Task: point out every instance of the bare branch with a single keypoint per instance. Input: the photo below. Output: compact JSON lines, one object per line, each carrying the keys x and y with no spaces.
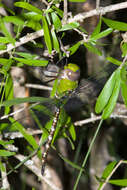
{"x":36,"y":171}
{"x":79,"y":17}
{"x":23,"y":40}
{"x":100,"y":11}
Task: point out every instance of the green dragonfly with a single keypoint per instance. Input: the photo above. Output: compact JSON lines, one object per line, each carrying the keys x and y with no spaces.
{"x":67,"y":82}
{"x":65,"y":86}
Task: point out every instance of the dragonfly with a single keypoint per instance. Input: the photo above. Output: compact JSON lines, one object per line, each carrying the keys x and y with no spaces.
{"x":66,"y":85}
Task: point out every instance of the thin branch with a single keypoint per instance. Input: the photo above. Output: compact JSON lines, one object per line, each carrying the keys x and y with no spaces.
{"x":23,"y":40}
{"x":79,"y":17}
{"x":97,"y":4}
{"x":36,"y":171}
{"x":65,"y":12}
{"x":113,"y":171}
{"x":100,"y":11}
{"x":37,"y":86}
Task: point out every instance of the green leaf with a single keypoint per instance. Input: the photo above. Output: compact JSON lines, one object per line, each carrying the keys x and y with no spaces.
{"x":32,"y":62}
{"x":14,"y":19}
{"x":71,"y":163}
{"x":122,"y":26}
{"x":34,"y":25}
{"x":72,"y":131}
{"x":69,"y":26}
{"x":47,"y":34}
{"x":77,"y":1}
{"x":17,"y":101}
{"x":26,"y":55}
{"x":74,"y":48}
{"x":32,"y":16}
{"x":124,"y":91}
{"x":114,"y":61}
{"x":5,"y":32}
{"x":3,"y":47}
{"x":58,"y":11}
{"x":97,"y":29}
{"x":119,"y":182}
{"x":6,"y":153}
{"x":105,"y":93}
{"x":55,"y":41}
{"x":112,"y":101}
{"x":28,"y":6}
{"x":56,"y":21}
{"x":108,"y":169}
{"x":4,"y":143}
{"x":124,"y":48}
{"x":92,"y":48}
{"x":101,"y":35}
{"x":2,"y":168}
{"x":4,"y":40}
{"x":107,"y":172}
{"x":30,"y":139}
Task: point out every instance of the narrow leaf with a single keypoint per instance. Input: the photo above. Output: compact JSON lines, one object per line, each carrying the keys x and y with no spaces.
{"x":101,"y":35}
{"x":6,"y":153}
{"x":97,"y":29}
{"x":17,"y":101}
{"x":32,"y":62}
{"x":92,"y":48}
{"x":55,"y":41}
{"x":28,"y":6}
{"x":119,"y":182}
{"x":56,"y":21}
{"x":69,"y":26}
{"x":112,"y":101}
{"x":122,"y":26}
{"x":14,"y":19}
{"x":47,"y":34}
{"x":25,"y":134}
{"x":114,"y":61}
{"x":6,"y":32}
{"x":105,"y":93}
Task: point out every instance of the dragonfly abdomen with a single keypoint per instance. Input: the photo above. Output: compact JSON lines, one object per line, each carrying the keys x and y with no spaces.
{"x":49,"y":141}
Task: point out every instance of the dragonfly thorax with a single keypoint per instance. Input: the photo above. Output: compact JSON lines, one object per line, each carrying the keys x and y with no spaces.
{"x":68,"y":79}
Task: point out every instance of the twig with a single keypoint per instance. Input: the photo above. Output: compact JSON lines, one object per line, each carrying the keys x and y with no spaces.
{"x":97,"y":4}
{"x":79,"y":17}
{"x":100,"y":11}
{"x":37,"y":86}
{"x":119,"y":163}
{"x":23,"y":40}
{"x":37,"y":172}
{"x":65,"y":12}
{"x":5,"y":183}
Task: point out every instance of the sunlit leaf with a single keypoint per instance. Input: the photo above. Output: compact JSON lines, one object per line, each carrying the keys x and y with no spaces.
{"x":101,"y":34}
{"x":47,"y":35}
{"x":6,"y":153}
{"x":56,"y":21}
{"x":105,"y":93}
{"x":122,"y":26}
{"x":28,"y":6}
{"x":14,"y":19}
{"x":112,"y":101}
{"x":32,"y":62}
{"x":25,"y":134}
{"x":69,"y":26}
{"x":119,"y":182}
{"x":55,"y":41}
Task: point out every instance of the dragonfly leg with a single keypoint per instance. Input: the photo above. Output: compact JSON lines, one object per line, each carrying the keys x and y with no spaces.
{"x":49,"y":141}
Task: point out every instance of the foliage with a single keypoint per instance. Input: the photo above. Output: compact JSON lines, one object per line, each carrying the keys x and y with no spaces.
{"x":54,"y":27}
